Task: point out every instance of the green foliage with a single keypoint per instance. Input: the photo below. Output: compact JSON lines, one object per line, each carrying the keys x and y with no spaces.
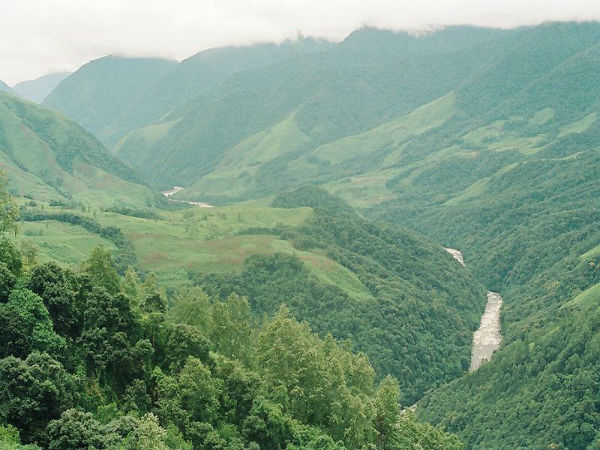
{"x":313,"y":197}
{"x":27,"y":326}
{"x":58,"y":288}
{"x":9,"y":212}
{"x":100,"y":268}
{"x":394,"y":266}
{"x":75,"y":429}
{"x":34,"y":391}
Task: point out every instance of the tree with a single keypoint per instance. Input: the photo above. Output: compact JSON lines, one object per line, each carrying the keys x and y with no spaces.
{"x":75,"y":430}
{"x":9,"y":211}
{"x":192,"y":306}
{"x":26,"y":326}
{"x":147,"y":435}
{"x":34,"y":391}
{"x":58,"y":288}
{"x":101,"y":270}
{"x":388,"y":410}
{"x":185,"y":341}
{"x":199,"y":391}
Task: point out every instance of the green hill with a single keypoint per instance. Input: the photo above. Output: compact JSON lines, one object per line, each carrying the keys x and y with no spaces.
{"x":98,"y":92}
{"x":48,"y":157}
{"x":330,"y":94}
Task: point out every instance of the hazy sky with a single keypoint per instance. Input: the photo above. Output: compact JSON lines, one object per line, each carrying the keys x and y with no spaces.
{"x":42,"y":36}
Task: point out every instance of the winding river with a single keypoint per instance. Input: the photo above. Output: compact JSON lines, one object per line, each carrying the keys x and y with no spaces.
{"x":488,"y":337}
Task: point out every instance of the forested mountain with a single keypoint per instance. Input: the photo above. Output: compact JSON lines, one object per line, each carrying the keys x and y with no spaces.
{"x":94,"y":360}
{"x":483,"y":140}
{"x":49,"y":157}
{"x":315,"y":98}
{"x":37,"y":90}
{"x":131,"y":103}
{"x":412,"y":309}
{"x":99,"y":91}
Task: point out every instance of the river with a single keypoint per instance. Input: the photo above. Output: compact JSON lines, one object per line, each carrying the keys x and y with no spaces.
{"x":488,"y":337}
{"x":175,"y":190}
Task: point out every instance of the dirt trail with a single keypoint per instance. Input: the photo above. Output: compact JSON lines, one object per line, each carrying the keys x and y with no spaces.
{"x":487,"y":338}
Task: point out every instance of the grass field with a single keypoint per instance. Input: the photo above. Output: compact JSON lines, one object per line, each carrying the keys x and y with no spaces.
{"x":192,"y":240}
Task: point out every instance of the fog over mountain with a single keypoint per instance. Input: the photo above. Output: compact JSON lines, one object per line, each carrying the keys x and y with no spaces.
{"x":62,"y":36}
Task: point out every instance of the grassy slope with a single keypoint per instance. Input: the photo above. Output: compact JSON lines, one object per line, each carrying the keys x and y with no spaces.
{"x":49,"y":157}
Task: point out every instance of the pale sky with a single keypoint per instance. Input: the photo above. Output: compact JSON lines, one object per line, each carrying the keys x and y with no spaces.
{"x":42,"y":36}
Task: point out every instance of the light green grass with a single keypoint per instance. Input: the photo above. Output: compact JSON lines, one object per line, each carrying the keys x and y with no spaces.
{"x":590,"y":253}
{"x":235,"y":173}
{"x":326,"y":270}
{"x":144,"y":137}
{"x":542,"y":116}
{"x":589,"y":297}
{"x":64,"y":243}
{"x":580,"y":126}
{"x":202,"y":239}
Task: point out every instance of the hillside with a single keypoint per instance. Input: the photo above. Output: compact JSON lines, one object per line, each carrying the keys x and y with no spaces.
{"x":383,"y":289}
{"x":91,"y":359}
{"x":98,"y":91}
{"x":37,"y":90}
{"x":481,"y":140}
{"x":48,"y":157}
{"x":325,"y":96}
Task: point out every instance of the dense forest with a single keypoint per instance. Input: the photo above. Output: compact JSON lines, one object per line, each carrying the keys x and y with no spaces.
{"x":93,"y":360}
{"x":419,"y":309}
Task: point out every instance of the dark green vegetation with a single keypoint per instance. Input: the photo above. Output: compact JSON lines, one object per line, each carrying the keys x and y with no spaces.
{"x":92,"y":360}
{"x":419,"y":307}
{"x":49,"y":157}
{"x":37,"y":90}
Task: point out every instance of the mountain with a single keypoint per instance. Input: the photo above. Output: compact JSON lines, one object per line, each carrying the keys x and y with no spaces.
{"x":6,"y":88}
{"x":37,"y":90}
{"x":172,"y":85}
{"x":404,"y":302}
{"x":48,"y":157}
{"x":324,"y":96}
{"x":96,"y":93}
{"x":503,"y":165}
{"x":199,"y":73}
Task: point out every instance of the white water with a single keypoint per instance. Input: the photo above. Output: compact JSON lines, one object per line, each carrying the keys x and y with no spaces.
{"x":487,"y":338}
{"x":175,"y":190}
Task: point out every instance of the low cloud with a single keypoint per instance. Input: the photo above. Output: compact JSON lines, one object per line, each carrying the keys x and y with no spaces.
{"x":42,"y":36}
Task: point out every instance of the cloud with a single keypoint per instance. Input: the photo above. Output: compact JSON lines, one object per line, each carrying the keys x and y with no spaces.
{"x":42,"y":36}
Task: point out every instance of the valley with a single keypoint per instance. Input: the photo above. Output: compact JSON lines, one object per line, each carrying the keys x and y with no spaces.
{"x":488,"y":337}
{"x":258,"y":246}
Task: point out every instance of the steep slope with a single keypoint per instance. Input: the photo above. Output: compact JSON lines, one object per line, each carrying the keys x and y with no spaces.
{"x":37,"y":90}
{"x":49,"y":157}
{"x":99,"y":91}
{"x":199,"y":73}
{"x":331,"y":94}
{"x":403,"y":301}
{"x":515,"y":187}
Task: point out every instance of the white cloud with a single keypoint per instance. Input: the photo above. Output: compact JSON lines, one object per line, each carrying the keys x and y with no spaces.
{"x":41,"y":36}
